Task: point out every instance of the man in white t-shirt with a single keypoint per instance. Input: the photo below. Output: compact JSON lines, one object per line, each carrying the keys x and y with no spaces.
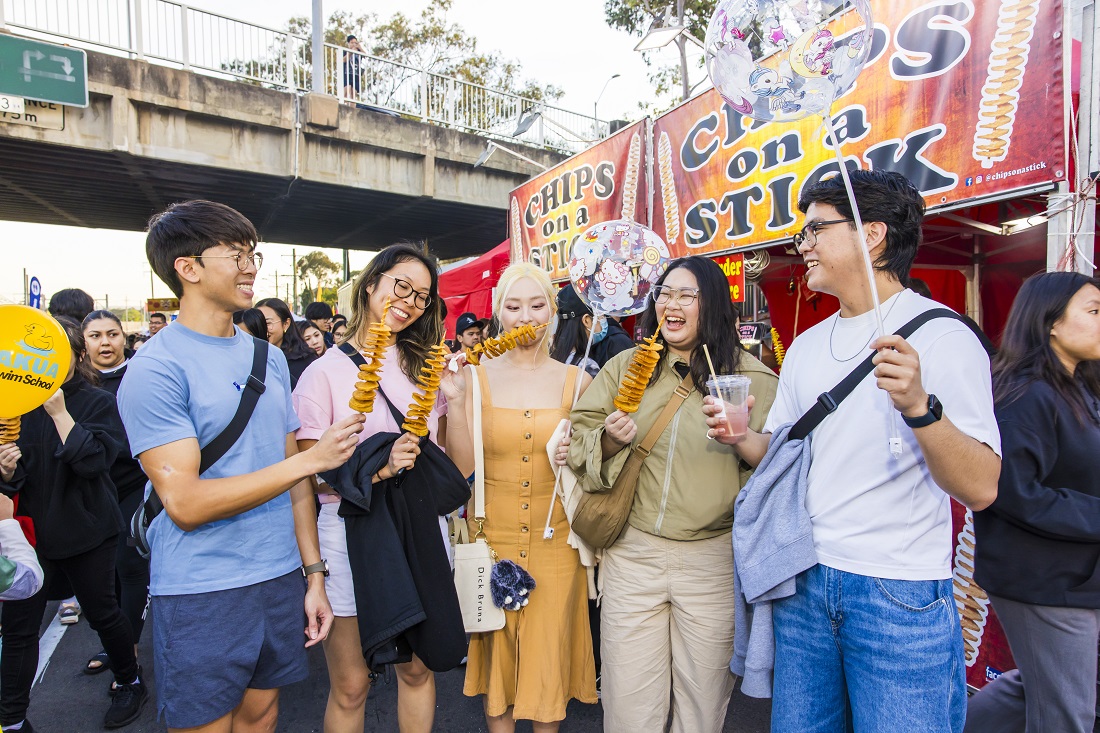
{"x":871,"y":639}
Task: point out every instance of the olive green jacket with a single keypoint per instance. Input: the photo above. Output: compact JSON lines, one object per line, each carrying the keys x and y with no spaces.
{"x":690,"y":495}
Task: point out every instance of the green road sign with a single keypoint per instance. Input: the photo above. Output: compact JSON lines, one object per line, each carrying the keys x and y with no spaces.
{"x":43,"y":71}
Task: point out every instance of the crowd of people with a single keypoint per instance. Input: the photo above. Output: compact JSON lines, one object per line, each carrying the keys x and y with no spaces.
{"x":808,"y":554}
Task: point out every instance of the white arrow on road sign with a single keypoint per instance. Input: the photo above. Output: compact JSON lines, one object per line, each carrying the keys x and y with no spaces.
{"x":66,"y":64}
{"x":28,"y":72}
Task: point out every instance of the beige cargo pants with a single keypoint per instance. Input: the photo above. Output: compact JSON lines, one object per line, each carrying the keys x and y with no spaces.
{"x":667,"y":634}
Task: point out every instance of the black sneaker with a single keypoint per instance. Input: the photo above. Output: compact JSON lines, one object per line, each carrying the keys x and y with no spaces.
{"x":126,"y":704}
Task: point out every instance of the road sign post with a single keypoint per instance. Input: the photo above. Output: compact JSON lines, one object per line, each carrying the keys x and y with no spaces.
{"x":43,"y":71}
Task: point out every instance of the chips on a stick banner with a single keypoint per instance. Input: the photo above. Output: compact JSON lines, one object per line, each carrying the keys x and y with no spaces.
{"x":964,"y":99}
{"x":549,"y":213}
{"x":34,"y":359}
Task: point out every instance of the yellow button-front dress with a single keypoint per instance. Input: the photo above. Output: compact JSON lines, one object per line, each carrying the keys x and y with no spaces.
{"x":543,"y":656}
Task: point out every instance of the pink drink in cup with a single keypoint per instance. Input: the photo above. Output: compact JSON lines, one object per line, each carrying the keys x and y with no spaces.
{"x":732,"y":393}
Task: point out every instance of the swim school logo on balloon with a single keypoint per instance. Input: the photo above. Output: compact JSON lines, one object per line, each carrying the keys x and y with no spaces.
{"x":34,"y":360}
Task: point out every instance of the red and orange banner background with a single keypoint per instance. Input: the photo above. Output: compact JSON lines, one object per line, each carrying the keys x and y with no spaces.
{"x":965,"y":99}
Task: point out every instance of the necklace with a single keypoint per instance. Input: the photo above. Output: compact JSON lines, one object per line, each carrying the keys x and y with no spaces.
{"x":508,"y":359}
{"x":832,"y":330}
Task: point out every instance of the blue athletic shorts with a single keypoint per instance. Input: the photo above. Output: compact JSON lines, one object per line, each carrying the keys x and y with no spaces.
{"x":209,"y":647}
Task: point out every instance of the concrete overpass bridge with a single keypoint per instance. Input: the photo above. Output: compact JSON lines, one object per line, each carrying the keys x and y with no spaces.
{"x":303,"y":167}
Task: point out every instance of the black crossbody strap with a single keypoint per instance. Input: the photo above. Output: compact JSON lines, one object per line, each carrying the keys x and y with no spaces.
{"x":356,"y":357}
{"x":218,"y":447}
{"x":827,"y":402}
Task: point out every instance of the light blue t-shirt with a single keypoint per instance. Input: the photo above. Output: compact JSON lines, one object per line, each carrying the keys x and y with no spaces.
{"x":182,"y":384}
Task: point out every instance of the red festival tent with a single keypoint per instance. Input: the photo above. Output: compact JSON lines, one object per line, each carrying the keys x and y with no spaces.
{"x":469,"y":288}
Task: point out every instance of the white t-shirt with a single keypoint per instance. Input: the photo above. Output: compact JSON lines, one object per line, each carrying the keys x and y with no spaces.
{"x":872,"y":514}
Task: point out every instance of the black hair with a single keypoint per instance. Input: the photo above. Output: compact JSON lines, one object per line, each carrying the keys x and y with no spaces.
{"x":1026,"y":355}
{"x":190,"y":228}
{"x":253,"y":321}
{"x":95,"y":316}
{"x":716,"y":320}
{"x":302,"y":327}
{"x":920,"y":287}
{"x":571,"y":337}
{"x":338,"y":319}
{"x":161,"y":315}
{"x":883,"y":196}
{"x":415,"y":342}
{"x":75,"y":335}
{"x":293,"y":347}
{"x":71,"y":302}
{"x":318,"y":311}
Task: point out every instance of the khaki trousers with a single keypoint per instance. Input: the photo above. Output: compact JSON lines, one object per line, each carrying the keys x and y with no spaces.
{"x":667,"y":633}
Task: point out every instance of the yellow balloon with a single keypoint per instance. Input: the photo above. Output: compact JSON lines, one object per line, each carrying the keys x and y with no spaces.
{"x":34,"y":359}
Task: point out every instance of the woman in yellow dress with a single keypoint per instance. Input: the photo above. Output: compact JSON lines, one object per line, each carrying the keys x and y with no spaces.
{"x":542,"y":658}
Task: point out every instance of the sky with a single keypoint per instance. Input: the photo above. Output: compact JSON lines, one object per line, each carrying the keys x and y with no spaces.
{"x":566,"y":43}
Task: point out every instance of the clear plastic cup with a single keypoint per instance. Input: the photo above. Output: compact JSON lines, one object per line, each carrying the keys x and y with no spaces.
{"x":732,"y":393}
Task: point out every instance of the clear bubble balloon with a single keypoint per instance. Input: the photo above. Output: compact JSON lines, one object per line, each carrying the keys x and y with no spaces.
{"x":614,"y":264}
{"x":787,"y":59}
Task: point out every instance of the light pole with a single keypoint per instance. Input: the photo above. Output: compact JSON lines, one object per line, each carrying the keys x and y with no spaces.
{"x":596,"y":106}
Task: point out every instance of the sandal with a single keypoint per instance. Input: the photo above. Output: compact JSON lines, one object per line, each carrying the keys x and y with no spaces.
{"x":98,"y":663}
{"x":69,"y":613}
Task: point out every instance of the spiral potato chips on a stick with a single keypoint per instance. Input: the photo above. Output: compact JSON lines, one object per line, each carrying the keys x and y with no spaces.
{"x":519,"y":336}
{"x":374,"y":351}
{"x":9,"y":429}
{"x":638,"y":373}
{"x":416,"y":421}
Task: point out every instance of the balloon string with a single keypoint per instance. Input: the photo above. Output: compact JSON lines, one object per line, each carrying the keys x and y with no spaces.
{"x":587,"y":350}
{"x":895,"y":437}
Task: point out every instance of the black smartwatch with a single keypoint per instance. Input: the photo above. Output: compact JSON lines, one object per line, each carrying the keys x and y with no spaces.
{"x":317,"y":567}
{"x":935,"y":412}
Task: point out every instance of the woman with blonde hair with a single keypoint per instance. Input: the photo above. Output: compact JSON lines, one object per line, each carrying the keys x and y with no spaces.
{"x":404,"y":277}
{"x":542,"y":658}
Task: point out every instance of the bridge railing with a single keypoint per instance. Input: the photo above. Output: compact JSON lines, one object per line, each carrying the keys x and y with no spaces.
{"x":360,"y":78}
{"x":211,"y":43}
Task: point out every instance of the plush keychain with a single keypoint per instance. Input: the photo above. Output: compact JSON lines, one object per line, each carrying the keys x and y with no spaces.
{"x":510,"y":586}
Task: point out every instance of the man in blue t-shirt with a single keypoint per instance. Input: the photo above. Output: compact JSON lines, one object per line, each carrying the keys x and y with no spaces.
{"x":231,"y":547}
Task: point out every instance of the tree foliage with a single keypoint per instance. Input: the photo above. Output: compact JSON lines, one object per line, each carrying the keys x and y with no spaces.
{"x":433,"y":44}
{"x":637,"y":16}
{"x":316,"y":268}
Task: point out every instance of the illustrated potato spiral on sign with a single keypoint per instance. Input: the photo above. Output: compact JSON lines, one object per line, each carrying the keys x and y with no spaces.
{"x":416,"y":420}
{"x":613,"y":266}
{"x":787,"y":59}
{"x":370,"y":374}
{"x":638,"y":374}
{"x":524,"y":335}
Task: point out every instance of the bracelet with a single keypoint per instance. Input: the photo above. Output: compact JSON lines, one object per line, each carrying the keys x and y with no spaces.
{"x":455,"y":425}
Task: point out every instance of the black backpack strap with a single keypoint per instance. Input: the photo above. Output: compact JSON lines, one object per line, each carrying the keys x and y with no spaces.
{"x":220,"y":445}
{"x":828,"y":402}
{"x":356,"y":357}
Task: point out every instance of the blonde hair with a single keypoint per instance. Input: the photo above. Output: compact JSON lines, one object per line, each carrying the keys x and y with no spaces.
{"x":513,"y":274}
{"x":516,"y":272}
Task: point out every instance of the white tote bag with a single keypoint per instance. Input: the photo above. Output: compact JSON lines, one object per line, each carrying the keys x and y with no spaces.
{"x":474,"y":559}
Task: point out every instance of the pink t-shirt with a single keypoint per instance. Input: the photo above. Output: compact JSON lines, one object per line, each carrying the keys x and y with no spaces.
{"x":325,"y":387}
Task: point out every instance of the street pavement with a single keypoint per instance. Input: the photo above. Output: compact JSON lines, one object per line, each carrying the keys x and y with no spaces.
{"x":67,"y":701}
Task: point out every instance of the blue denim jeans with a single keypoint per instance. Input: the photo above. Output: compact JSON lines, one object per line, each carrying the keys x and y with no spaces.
{"x":867,"y":655}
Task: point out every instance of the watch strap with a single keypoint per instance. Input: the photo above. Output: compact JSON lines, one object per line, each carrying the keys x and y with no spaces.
{"x":317,"y":567}
{"x":933,"y":414}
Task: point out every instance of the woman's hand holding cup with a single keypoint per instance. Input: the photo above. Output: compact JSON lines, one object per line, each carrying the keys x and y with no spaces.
{"x":727,"y":408}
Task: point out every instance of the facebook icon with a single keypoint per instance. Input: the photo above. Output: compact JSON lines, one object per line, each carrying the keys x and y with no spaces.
{"x":970,"y":181}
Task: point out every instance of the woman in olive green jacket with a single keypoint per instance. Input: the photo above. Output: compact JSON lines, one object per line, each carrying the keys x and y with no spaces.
{"x":667,"y":614}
